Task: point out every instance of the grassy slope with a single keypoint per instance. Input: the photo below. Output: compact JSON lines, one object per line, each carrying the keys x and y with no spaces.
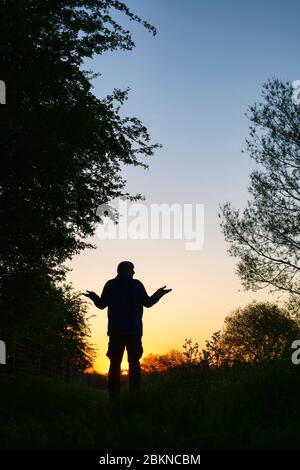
{"x":242,"y":407}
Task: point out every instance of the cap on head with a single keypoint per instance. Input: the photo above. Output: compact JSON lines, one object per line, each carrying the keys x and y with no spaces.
{"x":125,"y":267}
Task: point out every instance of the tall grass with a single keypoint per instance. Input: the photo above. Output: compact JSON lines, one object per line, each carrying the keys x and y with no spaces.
{"x":246,"y":406}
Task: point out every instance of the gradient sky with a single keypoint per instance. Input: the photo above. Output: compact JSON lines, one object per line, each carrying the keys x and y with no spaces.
{"x":191,"y":86}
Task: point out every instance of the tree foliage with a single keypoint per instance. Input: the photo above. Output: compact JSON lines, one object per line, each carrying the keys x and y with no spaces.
{"x":163,"y":362}
{"x":190,"y":351}
{"x":258,"y":332}
{"x":214,"y":353}
{"x":62,"y":151}
{"x":51,"y":315}
{"x":62,"y":148}
{"x":265,"y":236}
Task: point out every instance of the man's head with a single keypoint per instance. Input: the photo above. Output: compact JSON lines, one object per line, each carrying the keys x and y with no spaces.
{"x":126,"y":268}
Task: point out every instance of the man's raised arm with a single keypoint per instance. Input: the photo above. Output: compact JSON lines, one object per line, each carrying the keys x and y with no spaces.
{"x":99,"y":302}
{"x":147,"y":300}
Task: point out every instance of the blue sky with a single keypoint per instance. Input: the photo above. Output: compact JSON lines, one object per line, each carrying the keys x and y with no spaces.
{"x":191,"y":86}
{"x":193,"y":82}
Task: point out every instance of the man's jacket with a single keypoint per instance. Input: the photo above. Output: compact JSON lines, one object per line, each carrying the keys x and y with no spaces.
{"x":125,"y":298}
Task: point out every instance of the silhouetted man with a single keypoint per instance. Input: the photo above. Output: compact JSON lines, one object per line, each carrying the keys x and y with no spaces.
{"x":125,"y":298}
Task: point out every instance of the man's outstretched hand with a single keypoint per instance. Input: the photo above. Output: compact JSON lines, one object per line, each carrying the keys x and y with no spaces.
{"x":162,"y":291}
{"x":91,"y":295}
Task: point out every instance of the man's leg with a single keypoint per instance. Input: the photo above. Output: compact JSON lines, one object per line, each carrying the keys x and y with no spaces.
{"x":134,"y":353}
{"x":115,"y":352}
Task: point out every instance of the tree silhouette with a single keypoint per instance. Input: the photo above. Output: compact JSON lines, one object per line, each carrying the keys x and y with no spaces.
{"x":62,"y":148}
{"x":190,"y":351}
{"x":214,"y":354}
{"x":258,"y":332}
{"x":265,"y":237}
{"x":52,"y":315}
{"x":163,"y":362}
